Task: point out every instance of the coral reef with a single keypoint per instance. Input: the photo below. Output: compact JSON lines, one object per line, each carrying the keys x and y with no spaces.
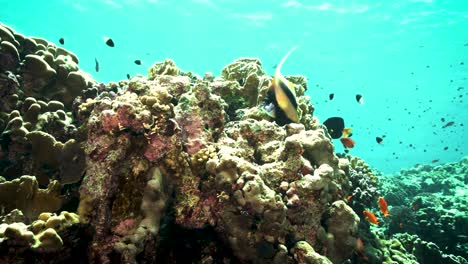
{"x":173,"y":168}
{"x":430,"y":202}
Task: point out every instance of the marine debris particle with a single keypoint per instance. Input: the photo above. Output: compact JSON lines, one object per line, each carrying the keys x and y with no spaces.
{"x":109,"y":42}
{"x":282,"y":89}
{"x":62,"y":41}
{"x":359,"y":99}
{"x":335,"y":126}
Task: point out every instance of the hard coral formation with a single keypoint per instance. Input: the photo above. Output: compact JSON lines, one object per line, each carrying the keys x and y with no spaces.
{"x":24,"y":194}
{"x":51,"y":238}
{"x":430,"y":202}
{"x":170,"y":168}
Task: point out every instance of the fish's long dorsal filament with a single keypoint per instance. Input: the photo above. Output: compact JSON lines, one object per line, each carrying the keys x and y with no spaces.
{"x":285,"y":96}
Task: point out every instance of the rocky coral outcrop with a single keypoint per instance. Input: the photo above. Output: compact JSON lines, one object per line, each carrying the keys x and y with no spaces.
{"x":430,"y":202}
{"x":173,"y":168}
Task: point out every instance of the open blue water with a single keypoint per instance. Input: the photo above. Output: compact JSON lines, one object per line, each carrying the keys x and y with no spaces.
{"x":408,"y":58}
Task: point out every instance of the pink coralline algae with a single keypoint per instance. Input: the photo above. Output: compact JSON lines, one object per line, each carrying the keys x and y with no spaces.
{"x":192,"y":132}
{"x":157,"y":146}
{"x":124,"y":227}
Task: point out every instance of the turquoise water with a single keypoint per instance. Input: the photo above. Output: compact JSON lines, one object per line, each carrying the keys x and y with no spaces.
{"x":407,"y":58}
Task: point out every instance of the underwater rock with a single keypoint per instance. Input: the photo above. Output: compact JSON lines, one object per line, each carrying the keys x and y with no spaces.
{"x":304,"y":253}
{"x":342,"y":224}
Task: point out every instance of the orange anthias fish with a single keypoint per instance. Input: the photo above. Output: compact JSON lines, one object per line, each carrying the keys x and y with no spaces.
{"x":383,"y":206}
{"x":347,"y":142}
{"x":370,"y":217}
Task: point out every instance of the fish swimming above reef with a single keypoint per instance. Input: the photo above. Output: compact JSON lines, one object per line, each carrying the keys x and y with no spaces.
{"x":96,"y":66}
{"x":284,"y":93}
{"x":109,"y":42}
{"x":347,"y":132}
{"x":335,"y":126}
{"x":359,"y":99}
{"x":137,"y":62}
{"x":370,"y":217}
{"x":451,"y":123}
{"x":347,"y":142}
{"x":62,"y":41}
{"x":378,"y":140}
{"x":383,"y":206}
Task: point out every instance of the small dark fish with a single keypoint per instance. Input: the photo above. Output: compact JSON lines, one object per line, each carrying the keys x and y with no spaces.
{"x":427,"y":66}
{"x":378,"y":139}
{"x":335,"y":126}
{"x":275,"y":66}
{"x":442,"y":119}
{"x":451,"y":123}
{"x":137,"y":62}
{"x":359,"y":99}
{"x":435,"y":160}
{"x":462,"y":63}
{"x":62,"y":41}
{"x":96,"y":67}
{"x":128,"y":76}
{"x":331,"y":96}
{"x":109,"y":42}
{"x":445,"y":148}
{"x":346,"y":150}
{"x":466,"y":45}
